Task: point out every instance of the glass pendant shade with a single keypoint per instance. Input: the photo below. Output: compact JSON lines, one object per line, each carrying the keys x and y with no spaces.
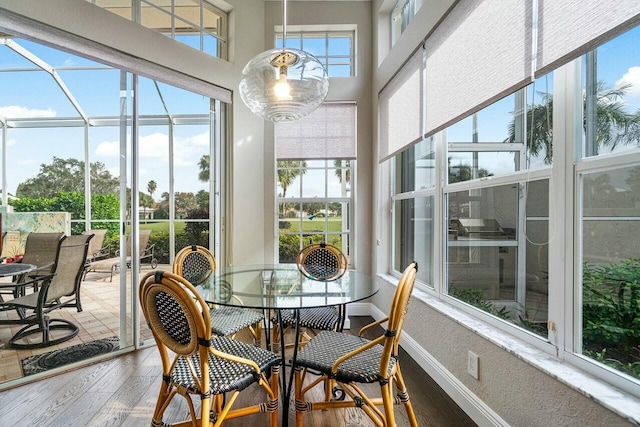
{"x":283,"y":84}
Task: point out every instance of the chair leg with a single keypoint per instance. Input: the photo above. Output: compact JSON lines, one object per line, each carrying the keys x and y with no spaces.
{"x":403,"y":395}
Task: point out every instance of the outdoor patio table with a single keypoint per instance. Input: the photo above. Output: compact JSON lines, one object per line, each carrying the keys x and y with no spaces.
{"x":13,"y":269}
{"x":283,"y":287}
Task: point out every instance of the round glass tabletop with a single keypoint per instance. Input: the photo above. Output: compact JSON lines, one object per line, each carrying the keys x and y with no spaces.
{"x":283,"y":286}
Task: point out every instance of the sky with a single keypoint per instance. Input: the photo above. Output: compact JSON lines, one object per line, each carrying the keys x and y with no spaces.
{"x":36,"y":94}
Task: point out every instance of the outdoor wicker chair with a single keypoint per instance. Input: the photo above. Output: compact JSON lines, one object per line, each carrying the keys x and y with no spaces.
{"x":342,"y":360}
{"x":203,"y":366}
{"x":59,"y":289}
{"x":323,"y":262}
{"x":195,"y":264}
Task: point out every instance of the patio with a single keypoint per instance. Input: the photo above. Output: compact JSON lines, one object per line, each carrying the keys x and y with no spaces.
{"x":99,"y":319}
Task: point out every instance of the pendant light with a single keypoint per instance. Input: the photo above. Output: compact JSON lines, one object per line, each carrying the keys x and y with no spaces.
{"x":283,"y":84}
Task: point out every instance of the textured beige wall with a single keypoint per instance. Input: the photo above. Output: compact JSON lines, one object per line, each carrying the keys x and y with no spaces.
{"x":521,"y":394}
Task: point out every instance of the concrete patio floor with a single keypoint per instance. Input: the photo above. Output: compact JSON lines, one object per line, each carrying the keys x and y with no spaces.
{"x":99,"y":319}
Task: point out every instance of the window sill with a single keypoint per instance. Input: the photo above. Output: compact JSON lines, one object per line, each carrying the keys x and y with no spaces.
{"x":610,"y":397}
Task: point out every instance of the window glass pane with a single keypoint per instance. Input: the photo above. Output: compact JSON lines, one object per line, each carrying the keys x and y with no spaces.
{"x":485,"y":248}
{"x":313,"y":183}
{"x":612,"y":101}
{"x":315,"y":45}
{"x":518,"y":141}
{"x":611,"y":270}
{"x":413,"y":235}
{"x":340,"y":45}
{"x":320,"y":220}
{"x":466,"y":166}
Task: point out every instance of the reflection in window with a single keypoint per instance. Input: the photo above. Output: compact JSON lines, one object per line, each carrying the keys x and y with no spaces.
{"x":500,"y":139}
{"x":413,"y":236}
{"x":611,"y":104}
{"x":492,"y":263}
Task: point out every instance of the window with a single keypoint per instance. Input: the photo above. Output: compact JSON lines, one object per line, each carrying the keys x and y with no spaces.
{"x":401,"y":15}
{"x":196,"y":23}
{"x":334,"y":49}
{"x":315,"y":170}
{"x":609,"y":217}
{"x":522,"y":250}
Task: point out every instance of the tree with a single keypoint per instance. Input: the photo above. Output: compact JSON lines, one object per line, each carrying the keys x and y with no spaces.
{"x":205,"y":166}
{"x":202,"y":197}
{"x":463,"y":173}
{"x":614,"y":125}
{"x":152,"y":186}
{"x":68,"y":175}
{"x":288,"y":171}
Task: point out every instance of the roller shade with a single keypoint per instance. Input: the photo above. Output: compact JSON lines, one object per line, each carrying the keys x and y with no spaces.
{"x":478,"y":54}
{"x":570,"y":28}
{"x":400,"y":108}
{"x":327,"y":133}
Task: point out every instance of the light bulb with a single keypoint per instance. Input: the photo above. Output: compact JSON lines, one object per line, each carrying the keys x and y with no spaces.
{"x":282,"y":90}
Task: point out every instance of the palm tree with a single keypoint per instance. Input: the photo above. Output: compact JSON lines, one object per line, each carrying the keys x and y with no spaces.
{"x":205,"y":166}
{"x":613,"y":124}
{"x":288,"y":171}
{"x":152,"y":186}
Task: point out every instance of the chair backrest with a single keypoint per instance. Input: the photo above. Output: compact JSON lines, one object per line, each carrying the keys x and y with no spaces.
{"x":69,"y":268}
{"x":397,"y":315}
{"x":143,"y":240}
{"x":321,"y":261}
{"x":41,"y":249}
{"x":194,"y":263}
{"x":177,"y":316}
{"x":96,"y":243}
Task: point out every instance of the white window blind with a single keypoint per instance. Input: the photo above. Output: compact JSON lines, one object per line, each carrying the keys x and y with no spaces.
{"x":570,"y":28}
{"x":400,"y":108}
{"x":327,"y":133}
{"x":478,"y":54}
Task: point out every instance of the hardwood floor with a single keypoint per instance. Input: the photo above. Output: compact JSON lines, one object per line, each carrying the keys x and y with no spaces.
{"x":122,"y":392}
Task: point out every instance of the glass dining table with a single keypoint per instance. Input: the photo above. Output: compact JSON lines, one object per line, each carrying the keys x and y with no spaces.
{"x":273,"y":288}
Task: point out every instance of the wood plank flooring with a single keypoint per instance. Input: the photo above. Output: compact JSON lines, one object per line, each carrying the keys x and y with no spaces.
{"x":122,"y":392}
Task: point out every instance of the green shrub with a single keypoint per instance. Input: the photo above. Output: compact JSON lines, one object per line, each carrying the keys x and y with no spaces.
{"x":611,"y":315}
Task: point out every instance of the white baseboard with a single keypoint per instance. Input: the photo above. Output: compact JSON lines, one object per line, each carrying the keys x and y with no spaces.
{"x":471,"y":404}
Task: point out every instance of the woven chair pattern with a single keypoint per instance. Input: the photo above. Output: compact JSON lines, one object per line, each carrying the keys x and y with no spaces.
{"x":172,"y":318}
{"x":225,"y":376}
{"x":226,"y":321}
{"x":196,"y":268}
{"x":322,"y":318}
{"x":328,"y":346}
{"x":322,"y":262}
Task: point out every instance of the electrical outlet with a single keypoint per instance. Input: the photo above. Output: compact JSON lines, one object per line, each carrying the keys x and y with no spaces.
{"x":472,"y":364}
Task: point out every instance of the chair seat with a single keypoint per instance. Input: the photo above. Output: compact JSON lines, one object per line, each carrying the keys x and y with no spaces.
{"x":325,"y":348}
{"x":324,"y":318}
{"x":227,"y":321}
{"x":225,"y":375}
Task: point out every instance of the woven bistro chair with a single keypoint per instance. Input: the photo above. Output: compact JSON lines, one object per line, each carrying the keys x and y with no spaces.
{"x":323,"y":262}
{"x":200,"y":364}
{"x":196,"y":264}
{"x":344,"y":360}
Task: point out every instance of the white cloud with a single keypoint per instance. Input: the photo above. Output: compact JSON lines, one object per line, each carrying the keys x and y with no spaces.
{"x":18,"y":112}
{"x":632,"y":78}
{"x":69,"y":62}
{"x":187,"y":151}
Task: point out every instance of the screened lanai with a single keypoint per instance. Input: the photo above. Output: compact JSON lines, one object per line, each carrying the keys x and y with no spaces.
{"x":60,"y":112}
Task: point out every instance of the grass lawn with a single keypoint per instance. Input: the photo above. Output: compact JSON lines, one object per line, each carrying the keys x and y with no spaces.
{"x":162,"y":226}
{"x":334,"y":224}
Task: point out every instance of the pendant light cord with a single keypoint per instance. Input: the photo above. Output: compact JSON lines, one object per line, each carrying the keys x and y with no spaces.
{"x":284,"y":25}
